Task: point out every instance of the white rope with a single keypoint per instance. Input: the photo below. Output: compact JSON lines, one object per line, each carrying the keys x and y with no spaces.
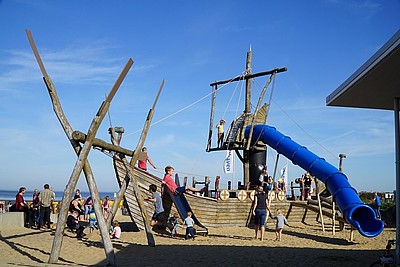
{"x":182,"y":109}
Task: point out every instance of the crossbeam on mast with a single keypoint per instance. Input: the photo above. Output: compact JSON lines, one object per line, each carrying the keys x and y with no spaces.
{"x":250,"y":76}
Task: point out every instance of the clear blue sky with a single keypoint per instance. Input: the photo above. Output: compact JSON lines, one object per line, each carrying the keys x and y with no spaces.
{"x":85,"y":44}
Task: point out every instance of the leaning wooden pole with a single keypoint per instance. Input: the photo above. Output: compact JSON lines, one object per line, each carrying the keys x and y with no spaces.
{"x":86,"y":168}
{"x":319,"y":203}
{"x":130,"y":172}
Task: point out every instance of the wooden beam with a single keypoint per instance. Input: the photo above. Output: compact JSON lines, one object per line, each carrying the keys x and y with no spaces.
{"x":81,"y":137}
{"x":277,"y":70}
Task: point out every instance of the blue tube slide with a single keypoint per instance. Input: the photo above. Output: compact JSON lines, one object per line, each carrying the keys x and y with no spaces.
{"x":360,"y":216}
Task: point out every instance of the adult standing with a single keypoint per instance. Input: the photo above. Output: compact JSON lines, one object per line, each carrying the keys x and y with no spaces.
{"x":260,"y":207}
{"x":35,"y":206}
{"x":22,"y":206}
{"x":143,"y":159}
{"x":46,"y":200}
{"x":377,"y":205}
{"x":87,"y":205}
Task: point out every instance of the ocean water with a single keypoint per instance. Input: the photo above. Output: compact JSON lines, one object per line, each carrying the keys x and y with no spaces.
{"x":9,"y":195}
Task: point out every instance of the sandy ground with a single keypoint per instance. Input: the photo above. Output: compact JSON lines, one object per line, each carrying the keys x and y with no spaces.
{"x":302,"y":245}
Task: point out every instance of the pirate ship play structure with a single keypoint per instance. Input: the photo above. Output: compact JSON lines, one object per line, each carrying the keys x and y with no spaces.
{"x":248,"y":135}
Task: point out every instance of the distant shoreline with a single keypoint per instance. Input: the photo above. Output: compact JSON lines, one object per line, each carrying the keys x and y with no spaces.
{"x":9,"y":195}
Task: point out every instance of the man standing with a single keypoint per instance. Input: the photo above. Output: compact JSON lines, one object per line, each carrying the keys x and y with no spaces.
{"x":377,"y":205}
{"x":46,"y":200}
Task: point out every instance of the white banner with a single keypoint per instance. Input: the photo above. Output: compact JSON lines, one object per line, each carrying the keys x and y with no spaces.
{"x":228,"y":162}
{"x":284,"y":174}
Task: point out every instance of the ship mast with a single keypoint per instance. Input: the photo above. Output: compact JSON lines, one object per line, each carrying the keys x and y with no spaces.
{"x":253,"y":157}
{"x":247,"y":111}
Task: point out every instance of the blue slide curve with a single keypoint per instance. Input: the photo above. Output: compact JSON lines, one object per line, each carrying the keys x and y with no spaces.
{"x":360,"y":216}
{"x":183,"y":207}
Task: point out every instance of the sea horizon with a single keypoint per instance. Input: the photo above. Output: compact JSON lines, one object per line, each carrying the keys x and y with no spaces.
{"x":9,"y":195}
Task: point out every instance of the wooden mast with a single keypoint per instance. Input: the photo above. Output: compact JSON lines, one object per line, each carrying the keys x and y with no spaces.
{"x":247,"y":111}
{"x":245,"y":145}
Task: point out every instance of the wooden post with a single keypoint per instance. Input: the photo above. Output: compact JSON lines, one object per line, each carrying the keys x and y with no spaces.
{"x":333,"y":218}
{"x":210,"y":131}
{"x":319,"y":204}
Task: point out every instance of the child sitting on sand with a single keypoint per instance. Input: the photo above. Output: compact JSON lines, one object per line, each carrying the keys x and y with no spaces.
{"x":73,"y":224}
{"x":116,"y":232}
{"x":280,"y":222}
{"x":173,"y":224}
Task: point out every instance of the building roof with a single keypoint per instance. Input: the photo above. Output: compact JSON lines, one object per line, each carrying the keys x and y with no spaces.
{"x":375,"y":84}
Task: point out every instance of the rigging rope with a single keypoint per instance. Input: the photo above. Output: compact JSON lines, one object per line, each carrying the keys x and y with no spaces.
{"x":184,"y":108}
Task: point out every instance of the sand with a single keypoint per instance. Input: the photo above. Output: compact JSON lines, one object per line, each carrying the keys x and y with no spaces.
{"x":302,"y":245}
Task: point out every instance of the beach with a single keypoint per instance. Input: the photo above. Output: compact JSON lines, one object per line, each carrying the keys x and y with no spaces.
{"x":301,"y":245}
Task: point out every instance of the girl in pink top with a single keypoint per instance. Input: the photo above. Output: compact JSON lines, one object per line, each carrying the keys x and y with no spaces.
{"x":116,"y":233}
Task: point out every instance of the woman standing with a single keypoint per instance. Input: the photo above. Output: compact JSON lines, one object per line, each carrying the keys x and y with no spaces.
{"x":260,"y":207}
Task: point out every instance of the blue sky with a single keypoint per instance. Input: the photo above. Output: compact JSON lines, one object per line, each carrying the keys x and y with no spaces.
{"x":85,"y":44}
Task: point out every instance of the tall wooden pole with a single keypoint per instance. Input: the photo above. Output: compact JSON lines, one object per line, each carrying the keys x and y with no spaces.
{"x":211,"y":126}
{"x":247,"y":110}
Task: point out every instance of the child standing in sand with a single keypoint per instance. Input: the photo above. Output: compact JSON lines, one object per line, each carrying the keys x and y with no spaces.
{"x":92,"y":220}
{"x":189,"y":222}
{"x":280,"y":222}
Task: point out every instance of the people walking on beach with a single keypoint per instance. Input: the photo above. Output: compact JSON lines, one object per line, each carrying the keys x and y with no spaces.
{"x":22,"y":206}
{"x":260,"y":207}
{"x":46,"y":200}
{"x":376,"y":201}
{"x":116,"y":232}
{"x":143,"y":159}
{"x":189,"y":222}
{"x":171,"y":185}
{"x":280,"y":222}
{"x":156,"y":219}
{"x":220,"y":128}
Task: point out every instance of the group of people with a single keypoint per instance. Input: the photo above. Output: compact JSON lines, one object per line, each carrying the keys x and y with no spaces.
{"x":267,"y":182}
{"x":173,"y":222}
{"x":85,"y":207}
{"x":260,"y":208}
{"x":37,"y":215}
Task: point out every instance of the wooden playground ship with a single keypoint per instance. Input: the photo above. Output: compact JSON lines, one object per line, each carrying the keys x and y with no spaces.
{"x":248,"y":136}
{"x":220,"y":206}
